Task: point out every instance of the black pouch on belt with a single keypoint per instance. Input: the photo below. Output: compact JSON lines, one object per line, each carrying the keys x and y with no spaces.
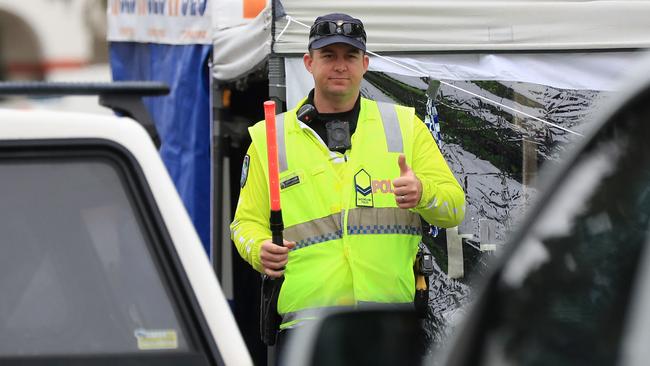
{"x":423,"y":268}
{"x":269,"y":318}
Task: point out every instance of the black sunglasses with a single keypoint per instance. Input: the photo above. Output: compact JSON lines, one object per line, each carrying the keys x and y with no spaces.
{"x":330,"y":28}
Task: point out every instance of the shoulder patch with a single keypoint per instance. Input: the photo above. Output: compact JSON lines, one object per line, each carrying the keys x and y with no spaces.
{"x":244,"y":171}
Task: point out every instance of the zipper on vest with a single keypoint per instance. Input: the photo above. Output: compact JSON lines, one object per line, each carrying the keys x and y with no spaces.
{"x":343,"y":211}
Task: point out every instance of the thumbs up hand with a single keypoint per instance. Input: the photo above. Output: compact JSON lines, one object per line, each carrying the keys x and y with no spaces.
{"x":407,"y":188}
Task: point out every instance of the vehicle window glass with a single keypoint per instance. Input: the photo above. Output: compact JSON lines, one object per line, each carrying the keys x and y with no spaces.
{"x":562,"y":296}
{"x":76,"y":272}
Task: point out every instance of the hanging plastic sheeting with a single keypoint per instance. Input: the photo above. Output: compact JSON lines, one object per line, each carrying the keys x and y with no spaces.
{"x":493,"y":148}
{"x":169,"y":41}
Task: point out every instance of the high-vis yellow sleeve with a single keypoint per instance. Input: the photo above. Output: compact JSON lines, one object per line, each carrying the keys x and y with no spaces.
{"x":250,"y":226}
{"x":443,"y":200}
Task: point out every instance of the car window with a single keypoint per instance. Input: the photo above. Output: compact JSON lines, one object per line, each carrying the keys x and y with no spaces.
{"x":562,"y":296}
{"x":76,"y":269}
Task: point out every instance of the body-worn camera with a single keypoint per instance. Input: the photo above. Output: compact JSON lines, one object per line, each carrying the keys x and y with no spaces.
{"x":307,"y":113}
{"x":338,"y":135}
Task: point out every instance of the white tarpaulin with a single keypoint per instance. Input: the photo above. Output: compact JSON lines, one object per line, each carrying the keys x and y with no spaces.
{"x":430,"y":25}
{"x":242,"y":42}
{"x":241,"y":48}
{"x":481,"y":35}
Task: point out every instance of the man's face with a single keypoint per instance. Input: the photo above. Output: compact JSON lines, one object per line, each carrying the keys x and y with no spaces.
{"x":337,"y":69}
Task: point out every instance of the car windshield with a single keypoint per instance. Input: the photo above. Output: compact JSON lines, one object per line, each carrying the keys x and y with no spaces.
{"x":76,"y":269}
{"x":562,"y":297}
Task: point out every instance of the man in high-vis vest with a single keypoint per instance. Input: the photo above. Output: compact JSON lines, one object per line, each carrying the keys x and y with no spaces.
{"x":355,"y":177}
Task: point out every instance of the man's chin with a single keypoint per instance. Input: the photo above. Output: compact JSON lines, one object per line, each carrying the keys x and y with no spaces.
{"x":340,"y":91}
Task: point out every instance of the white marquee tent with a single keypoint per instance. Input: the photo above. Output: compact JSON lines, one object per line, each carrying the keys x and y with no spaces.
{"x":567,"y":45}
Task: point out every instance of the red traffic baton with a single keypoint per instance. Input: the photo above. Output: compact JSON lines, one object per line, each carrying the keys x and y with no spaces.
{"x":276,"y":223}
{"x":269,"y":318}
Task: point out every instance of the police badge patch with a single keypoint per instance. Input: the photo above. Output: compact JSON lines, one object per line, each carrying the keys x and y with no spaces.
{"x":363,"y":189}
{"x":244,"y":171}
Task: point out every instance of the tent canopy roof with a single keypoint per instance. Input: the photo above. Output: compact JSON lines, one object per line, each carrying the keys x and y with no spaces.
{"x":435,"y":26}
{"x":430,"y":25}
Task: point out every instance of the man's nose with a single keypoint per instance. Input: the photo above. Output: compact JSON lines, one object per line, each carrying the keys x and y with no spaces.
{"x":340,"y":66}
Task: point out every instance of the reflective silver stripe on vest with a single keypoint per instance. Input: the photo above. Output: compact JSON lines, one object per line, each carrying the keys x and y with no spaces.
{"x":391,"y":127}
{"x":316,"y":231}
{"x":384,"y":305}
{"x":314,"y":313}
{"x":383,"y":221}
{"x":282,"y":148}
{"x":305,"y":314}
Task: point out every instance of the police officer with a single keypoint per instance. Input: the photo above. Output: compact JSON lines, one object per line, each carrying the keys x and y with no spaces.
{"x":355,"y":177}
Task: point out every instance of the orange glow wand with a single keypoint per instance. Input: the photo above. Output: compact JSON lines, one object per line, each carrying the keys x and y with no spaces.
{"x":274,"y":181}
{"x":269,"y":318}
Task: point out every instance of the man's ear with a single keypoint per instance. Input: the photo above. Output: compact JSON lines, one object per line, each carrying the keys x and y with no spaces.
{"x":307,"y":60}
{"x":366,"y":62}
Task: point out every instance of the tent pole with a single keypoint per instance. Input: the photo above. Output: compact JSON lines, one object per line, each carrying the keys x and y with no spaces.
{"x":217,"y":178}
{"x":277,"y":83}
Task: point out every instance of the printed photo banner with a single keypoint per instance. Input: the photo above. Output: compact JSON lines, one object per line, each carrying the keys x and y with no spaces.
{"x":160,"y":21}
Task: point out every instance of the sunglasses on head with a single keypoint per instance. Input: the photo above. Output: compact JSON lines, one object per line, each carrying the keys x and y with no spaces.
{"x":330,"y":28}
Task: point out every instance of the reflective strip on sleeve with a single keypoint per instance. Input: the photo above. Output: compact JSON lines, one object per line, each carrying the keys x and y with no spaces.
{"x":282,"y":147}
{"x":383,"y":221}
{"x":316,"y":231}
{"x":391,"y":127}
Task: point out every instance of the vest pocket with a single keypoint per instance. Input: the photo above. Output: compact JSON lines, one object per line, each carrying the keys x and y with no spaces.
{"x":299,"y":200}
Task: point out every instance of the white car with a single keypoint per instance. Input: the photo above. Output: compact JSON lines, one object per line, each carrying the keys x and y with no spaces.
{"x":99,"y":262}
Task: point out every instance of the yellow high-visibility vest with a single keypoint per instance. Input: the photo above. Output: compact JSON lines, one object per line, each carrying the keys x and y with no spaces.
{"x":354,"y":245}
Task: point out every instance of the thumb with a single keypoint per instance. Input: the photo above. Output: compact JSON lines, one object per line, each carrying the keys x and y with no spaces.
{"x":404,"y":169}
{"x":289,"y":244}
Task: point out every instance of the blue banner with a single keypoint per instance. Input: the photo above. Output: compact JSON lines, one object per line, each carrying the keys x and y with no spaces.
{"x":182,"y":117}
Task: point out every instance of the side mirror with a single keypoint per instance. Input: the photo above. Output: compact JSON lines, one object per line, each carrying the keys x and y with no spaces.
{"x":368,"y":336}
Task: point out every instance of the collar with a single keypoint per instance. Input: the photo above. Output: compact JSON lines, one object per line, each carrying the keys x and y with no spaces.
{"x":352,"y":116}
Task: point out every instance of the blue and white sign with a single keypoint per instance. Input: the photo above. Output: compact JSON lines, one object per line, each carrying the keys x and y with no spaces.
{"x":160,"y":21}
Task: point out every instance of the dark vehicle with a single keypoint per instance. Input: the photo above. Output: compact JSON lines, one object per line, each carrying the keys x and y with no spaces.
{"x":573,"y":285}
